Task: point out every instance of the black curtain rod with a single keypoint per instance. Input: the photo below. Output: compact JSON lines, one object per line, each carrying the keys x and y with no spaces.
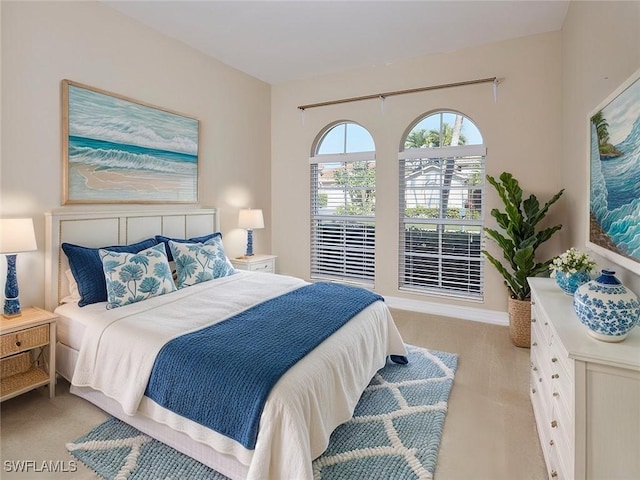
{"x":398,"y":92}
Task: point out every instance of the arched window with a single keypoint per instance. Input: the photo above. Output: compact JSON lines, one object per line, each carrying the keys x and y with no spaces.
{"x":343,"y":194}
{"x":442,"y":164}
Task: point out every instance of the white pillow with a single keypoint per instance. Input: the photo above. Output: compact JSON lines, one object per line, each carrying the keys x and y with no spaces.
{"x":74,"y":294}
{"x":133,"y":277}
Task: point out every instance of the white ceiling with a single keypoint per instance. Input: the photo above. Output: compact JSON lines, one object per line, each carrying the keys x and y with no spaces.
{"x":280,"y":41}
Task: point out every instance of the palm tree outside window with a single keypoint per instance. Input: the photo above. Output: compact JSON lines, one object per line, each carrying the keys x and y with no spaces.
{"x":441,"y":166}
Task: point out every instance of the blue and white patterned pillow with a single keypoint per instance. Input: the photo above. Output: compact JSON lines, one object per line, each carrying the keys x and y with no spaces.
{"x":133,"y":277}
{"x":200,"y":262}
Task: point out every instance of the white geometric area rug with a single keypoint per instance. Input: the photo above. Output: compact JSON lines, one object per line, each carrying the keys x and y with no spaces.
{"x":394,"y":433}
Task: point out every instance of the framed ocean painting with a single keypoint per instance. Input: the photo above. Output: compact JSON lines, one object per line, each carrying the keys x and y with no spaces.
{"x":614,"y":176}
{"x":118,"y":150}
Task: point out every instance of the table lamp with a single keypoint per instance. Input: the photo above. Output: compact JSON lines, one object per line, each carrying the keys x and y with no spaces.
{"x":16,"y":235}
{"x":250,"y":219}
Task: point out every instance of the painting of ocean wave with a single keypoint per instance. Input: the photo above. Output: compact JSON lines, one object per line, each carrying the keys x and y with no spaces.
{"x":117,"y":150}
{"x":614,"y":224}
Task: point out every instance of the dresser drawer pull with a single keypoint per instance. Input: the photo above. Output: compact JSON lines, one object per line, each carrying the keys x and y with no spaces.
{"x":546,"y":323}
{"x":535,"y":344}
{"x":554,"y":474}
{"x":533,"y":390}
{"x":535,"y":369}
{"x":556,"y":394}
{"x":551,"y":442}
{"x":18,"y":343}
{"x":555,"y":375}
{"x":554,"y":424}
{"x":533,"y":320}
{"x":554,"y":359}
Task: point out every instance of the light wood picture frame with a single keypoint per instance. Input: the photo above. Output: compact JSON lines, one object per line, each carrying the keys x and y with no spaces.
{"x":119,"y":150}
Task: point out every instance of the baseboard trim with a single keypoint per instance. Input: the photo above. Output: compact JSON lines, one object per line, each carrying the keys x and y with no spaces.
{"x":494,"y":317}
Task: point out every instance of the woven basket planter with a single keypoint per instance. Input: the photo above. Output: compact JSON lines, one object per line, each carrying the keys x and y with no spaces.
{"x":520,"y":322}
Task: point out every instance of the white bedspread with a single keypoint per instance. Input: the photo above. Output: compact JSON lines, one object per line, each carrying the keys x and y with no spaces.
{"x":309,"y":401}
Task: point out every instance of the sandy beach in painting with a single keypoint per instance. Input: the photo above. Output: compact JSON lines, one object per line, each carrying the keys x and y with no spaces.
{"x":126,"y":185}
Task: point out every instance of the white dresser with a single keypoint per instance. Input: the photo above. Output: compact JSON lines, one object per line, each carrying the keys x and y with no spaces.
{"x":585,"y":393}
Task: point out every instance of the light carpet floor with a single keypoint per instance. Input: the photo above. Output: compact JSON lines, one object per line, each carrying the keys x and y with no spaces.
{"x":489,"y":433}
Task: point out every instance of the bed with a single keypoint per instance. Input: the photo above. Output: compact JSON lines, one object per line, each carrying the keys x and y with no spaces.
{"x":98,"y":354}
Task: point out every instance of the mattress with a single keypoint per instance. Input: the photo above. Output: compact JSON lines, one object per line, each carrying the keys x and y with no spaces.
{"x":73,"y":320}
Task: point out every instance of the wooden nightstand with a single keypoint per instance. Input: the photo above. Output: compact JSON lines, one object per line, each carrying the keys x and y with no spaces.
{"x":256,"y":263}
{"x":27,"y":352}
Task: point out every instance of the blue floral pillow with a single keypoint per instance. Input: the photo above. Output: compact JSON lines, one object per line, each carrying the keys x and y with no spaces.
{"x":133,"y":277}
{"x":200,"y":262}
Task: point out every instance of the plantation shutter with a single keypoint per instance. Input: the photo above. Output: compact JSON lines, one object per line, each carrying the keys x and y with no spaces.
{"x":441,"y":220}
{"x":343,"y":217}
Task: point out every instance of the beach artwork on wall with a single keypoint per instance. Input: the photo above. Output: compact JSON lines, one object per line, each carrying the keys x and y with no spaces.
{"x":614,"y":176}
{"x":119,"y":150}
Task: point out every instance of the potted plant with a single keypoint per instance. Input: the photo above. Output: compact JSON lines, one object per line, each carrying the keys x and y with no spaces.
{"x":572,"y":269}
{"x":522,"y":236}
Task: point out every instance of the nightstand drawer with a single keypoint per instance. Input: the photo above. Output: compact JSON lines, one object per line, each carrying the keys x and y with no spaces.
{"x":22,"y":340}
{"x":266,"y":266}
{"x":256,"y":263}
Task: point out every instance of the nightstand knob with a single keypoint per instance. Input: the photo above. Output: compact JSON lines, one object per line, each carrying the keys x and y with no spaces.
{"x":554,"y":424}
{"x":556,"y":394}
{"x":555,"y":375}
{"x":533,"y":320}
{"x":554,"y":474}
{"x":554,"y":359}
{"x":551,"y":442}
{"x":533,"y":390}
{"x":18,"y":343}
{"x":535,"y":344}
{"x":535,"y":369}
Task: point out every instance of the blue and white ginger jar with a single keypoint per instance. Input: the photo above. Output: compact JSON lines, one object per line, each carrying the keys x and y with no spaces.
{"x":607,"y":308}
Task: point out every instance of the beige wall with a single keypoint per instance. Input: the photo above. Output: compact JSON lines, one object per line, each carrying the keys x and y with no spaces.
{"x":600,"y":50}
{"x":536,"y":130}
{"x":522,"y":132}
{"x":45,"y":42}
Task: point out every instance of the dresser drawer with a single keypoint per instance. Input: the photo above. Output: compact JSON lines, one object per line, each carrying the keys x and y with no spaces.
{"x":541,"y":392}
{"x":22,"y":340}
{"x":563,"y":439}
{"x":563,"y":377}
{"x":540,"y":322}
{"x":556,"y":469}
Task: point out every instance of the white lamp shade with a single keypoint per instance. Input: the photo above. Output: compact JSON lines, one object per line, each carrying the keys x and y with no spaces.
{"x":250,"y":219}
{"x":17,"y":235}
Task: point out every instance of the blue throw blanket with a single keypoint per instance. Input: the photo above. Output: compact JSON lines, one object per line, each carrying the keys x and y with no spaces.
{"x":220,"y":376}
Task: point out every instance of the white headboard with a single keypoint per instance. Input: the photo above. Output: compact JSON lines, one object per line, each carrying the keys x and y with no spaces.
{"x":114,"y":227}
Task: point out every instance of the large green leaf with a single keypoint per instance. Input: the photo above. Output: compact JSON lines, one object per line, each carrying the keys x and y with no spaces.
{"x":520,"y":239}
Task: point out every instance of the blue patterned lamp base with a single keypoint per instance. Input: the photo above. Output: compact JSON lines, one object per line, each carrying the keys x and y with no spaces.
{"x":249,"y":243}
{"x":11,"y":303}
